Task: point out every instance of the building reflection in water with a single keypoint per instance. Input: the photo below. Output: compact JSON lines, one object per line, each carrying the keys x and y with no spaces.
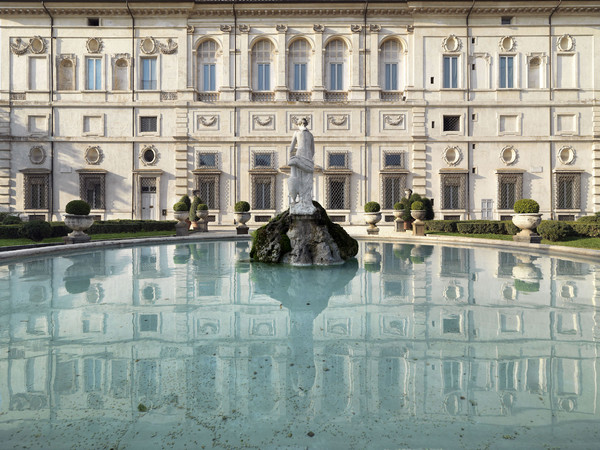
{"x":196,"y":331}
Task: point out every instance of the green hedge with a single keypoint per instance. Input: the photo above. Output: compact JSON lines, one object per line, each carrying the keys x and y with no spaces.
{"x":589,"y":229}
{"x":10,"y":231}
{"x":448,"y":226}
{"x":481,"y":227}
{"x":554,"y":230}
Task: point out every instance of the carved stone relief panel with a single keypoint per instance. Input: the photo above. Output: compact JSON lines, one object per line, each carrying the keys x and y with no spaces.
{"x":148,"y":155}
{"x":36,"y":44}
{"x":207,"y":121}
{"x":337,"y":121}
{"x":94,"y":45}
{"x":262,"y":122}
{"x":37,"y":154}
{"x":294,"y":119}
{"x":149,"y":46}
{"x":391,"y":120}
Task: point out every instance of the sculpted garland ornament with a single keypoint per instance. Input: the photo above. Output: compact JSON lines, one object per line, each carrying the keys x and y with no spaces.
{"x":263,"y":121}
{"x":393,"y":120}
{"x":337,"y":120}
{"x":207,"y":121}
{"x":149,"y":46}
{"x":36,"y":44}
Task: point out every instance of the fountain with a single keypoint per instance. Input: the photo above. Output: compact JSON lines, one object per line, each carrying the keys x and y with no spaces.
{"x":304,"y":234}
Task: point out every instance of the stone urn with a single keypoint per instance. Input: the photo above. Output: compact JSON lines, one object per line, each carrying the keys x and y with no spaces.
{"x":202,"y":215}
{"x":526,"y":222}
{"x":78,"y":224}
{"x":372,"y":219}
{"x":418,"y":225}
{"x":181,"y":227}
{"x":241,"y":218}
{"x":398,"y":222}
{"x":418,"y":214}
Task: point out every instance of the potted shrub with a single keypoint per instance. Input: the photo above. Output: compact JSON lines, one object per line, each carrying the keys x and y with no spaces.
{"x":398,"y":212}
{"x":372,"y":216}
{"x":192,"y":214}
{"x":417,"y":211}
{"x":406,"y":216}
{"x":242,"y":215}
{"x":181,"y":212}
{"x":78,"y":219}
{"x":527,"y":218}
{"x":202,"y":213}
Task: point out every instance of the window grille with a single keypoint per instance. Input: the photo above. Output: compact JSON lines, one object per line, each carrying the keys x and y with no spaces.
{"x":392,"y":188}
{"x":510,"y":189}
{"x":207,"y":187}
{"x":263,"y":160}
{"x":395,"y":160}
{"x":148,"y":184}
{"x":207,"y":160}
{"x":451,"y":123}
{"x":337,"y":160}
{"x":148,"y":124}
{"x":453,"y":191}
{"x":568,"y":190}
{"x":36,"y":191}
{"x":337,"y":192}
{"x":263,"y":192}
{"x":91,"y":189}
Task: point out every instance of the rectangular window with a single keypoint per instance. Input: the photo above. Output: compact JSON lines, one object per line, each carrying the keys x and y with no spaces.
{"x":209,"y":77}
{"x":506,"y":20}
{"x":207,"y":188}
{"x":451,"y":123}
{"x":94,"y":74}
{"x":148,"y":73}
{"x":337,"y":160}
{"x":391,"y":77}
{"x":510,"y":189}
{"x":148,"y":124}
{"x":393,"y":160}
{"x":262,"y":160}
{"x":453,"y":191}
{"x":264,"y":77}
{"x":263,"y":188}
{"x":36,"y":191}
{"x":506,"y":72}
{"x":206,"y":160}
{"x":148,"y":322}
{"x":337,"y":195}
{"x":91,"y":189}
{"x":300,"y":77}
{"x":568,"y":190}
{"x":337,"y":80}
{"x":450,"y":72}
{"x":393,"y":189}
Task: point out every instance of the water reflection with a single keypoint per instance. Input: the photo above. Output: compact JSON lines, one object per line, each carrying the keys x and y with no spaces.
{"x":196,"y":333}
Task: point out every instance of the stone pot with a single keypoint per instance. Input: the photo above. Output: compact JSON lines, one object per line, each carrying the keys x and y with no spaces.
{"x":202,"y":220}
{"x":242,"y":217}
{"x":78,"y":224}
{"x":372,"y":219}
{"x":181,"y":215}
{"x":526,"y":222}
{"x":418,"y":214}
{"x":181,"y":227}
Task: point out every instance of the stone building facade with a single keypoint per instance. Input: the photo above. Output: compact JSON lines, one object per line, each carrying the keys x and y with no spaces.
{"x":130,"y":105}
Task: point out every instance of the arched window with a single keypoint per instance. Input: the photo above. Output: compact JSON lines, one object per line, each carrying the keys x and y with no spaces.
{"x":391,"y":69}
{"x":207,"y":63}
{"x":66,"y":75}
{"x":336,"y":57}
{"x":298,"y":65}
{"x":262,"y":54}
{"x":121,"y":75}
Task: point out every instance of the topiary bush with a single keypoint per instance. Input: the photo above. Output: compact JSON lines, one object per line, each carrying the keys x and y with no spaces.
{"x":36,"y":230}
{"x":194,"y":207}
{"x":11,"y":220}
{"x":202,"y":207}
{"x":180,"y":206}
{"x":554,"y":230}
{"x":526,"y":206}
{"x":372,"y":207}
{"x":417,"y":206}
{"x":78,"y":208}
{"x":186,"y":199}
{"x":241,"y":207}
{"x":398,"y":206}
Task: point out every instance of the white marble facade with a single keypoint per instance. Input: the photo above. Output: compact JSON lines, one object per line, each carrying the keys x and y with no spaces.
{"x":471,"y":104}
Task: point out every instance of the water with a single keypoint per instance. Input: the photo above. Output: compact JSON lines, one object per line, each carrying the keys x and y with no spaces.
{"x":191,"y":345}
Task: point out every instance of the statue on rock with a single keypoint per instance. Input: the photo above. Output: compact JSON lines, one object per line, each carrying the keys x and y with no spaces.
{"x":300,"y":183}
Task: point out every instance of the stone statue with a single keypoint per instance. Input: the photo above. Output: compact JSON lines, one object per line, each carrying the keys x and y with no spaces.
{"x":300,"y":183}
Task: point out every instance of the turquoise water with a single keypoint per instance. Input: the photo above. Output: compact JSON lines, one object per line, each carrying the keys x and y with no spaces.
{"x":184,"y":346}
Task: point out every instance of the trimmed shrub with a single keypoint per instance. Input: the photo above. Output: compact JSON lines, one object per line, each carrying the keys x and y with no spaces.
{"x":586,"y":229}
{"x":241,"y":207}
{"x":193,"y":208}
{"x":554,"y":230}
{"x":398,"y":206}
{"x":417,"y":206}
{"x":130,"y":226}
{"x":11,"y":220}
{"x":481,"y":227}
{"x":448,"y":226}
{"x":589,"y":219}
{"x":186,"y":199}
{"x":202,"y":207}
{"x":510,"y":227}
{"x":10,"y":231}
{"x":372,"y":207}
{"x":59,"y":229}
{"x":36,"y":230}
{"x":78,"y":208}
{"x":180,"y":206}
{"x":526,"y":206}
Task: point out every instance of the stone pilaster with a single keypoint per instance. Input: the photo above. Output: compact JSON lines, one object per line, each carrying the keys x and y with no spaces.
{"x":419,"y":151}
{"x":596,"y":157}
{"x":280,"y":87}
{"x":318,"y":88}
{"x":245,"y":69}
{"x":181,"y":152}
{"x":356,"y":90}
{"x":226,"y":68}
{"x":4,"y":159}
